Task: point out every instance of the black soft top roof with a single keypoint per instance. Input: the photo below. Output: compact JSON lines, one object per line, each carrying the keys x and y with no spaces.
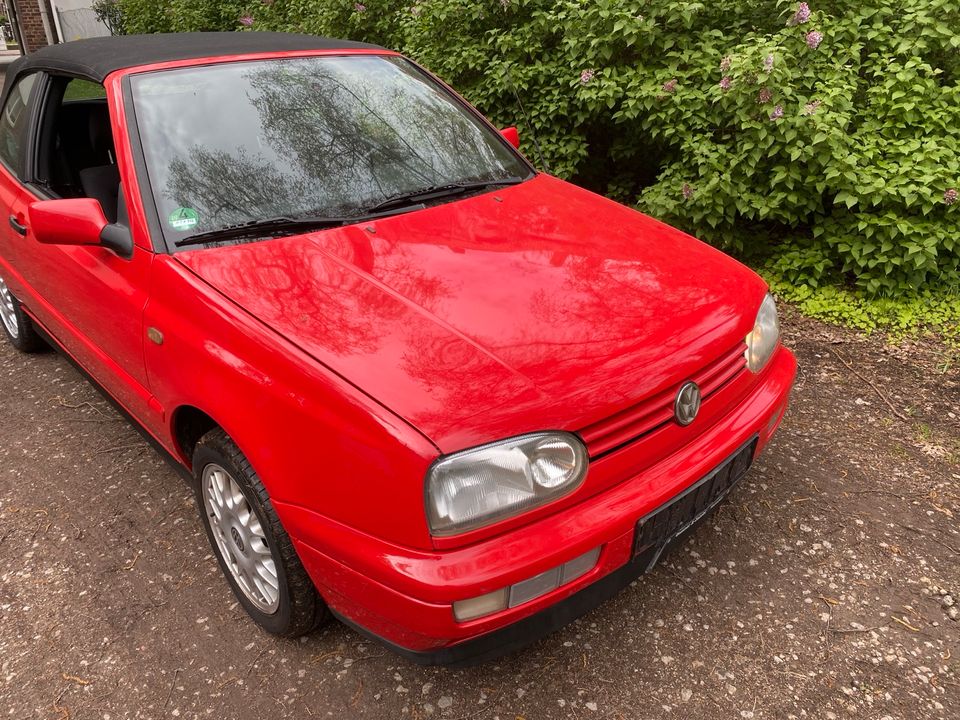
{"x":96,"y":58}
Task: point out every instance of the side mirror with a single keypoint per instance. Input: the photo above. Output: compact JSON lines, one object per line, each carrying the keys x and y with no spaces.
{"x":78,"y":221}
{"x":512,"y":136}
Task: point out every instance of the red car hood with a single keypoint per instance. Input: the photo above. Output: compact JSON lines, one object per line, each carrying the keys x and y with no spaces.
{"x":541,"y":306}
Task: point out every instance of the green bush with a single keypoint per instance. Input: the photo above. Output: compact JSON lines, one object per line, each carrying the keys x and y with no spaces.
{"x":910,"y":314}
{"x":149,"y":16}
{"x":145,"y":16}
{"x":110,"y":14}
{"x":822,"y":137}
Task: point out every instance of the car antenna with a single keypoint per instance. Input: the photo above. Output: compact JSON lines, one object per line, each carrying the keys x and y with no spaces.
{"x":526,"y":118}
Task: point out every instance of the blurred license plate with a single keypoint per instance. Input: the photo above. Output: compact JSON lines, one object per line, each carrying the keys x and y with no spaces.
{"x":661,"y":528}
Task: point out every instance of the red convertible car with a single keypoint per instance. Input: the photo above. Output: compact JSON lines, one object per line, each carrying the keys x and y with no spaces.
{"x":416,"y":383}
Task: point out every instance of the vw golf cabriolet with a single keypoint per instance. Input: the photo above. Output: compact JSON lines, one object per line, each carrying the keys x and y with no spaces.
{"x":416,"y":383}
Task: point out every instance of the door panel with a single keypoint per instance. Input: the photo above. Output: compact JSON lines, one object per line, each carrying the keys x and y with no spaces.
{"x":92,"y":301}
{"x":15,"y":123}
{"x":11,"y":242}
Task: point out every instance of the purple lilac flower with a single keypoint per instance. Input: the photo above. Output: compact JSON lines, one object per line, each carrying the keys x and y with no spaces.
{"x":725,"y":64}
{"x":801,"y":15}
{"x":764,"y":96}
{"x":670,"y":85}
{"x":586,"y":76}
{"x":246,"y":20}
{"x":687,"y":191}
{"x":814,"y":38}
{"x":768,"y":63}
{"x":777,"y":113}
{"x":811,"y":107}
{"x":360,"y":7}
{"x":950,"y":196}
{"x":725,"y":82}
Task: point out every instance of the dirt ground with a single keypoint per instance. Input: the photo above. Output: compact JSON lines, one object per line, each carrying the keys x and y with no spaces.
{"x":827,"y":587}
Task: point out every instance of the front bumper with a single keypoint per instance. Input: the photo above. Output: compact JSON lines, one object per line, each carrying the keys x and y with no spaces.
{"x":404,"y":597}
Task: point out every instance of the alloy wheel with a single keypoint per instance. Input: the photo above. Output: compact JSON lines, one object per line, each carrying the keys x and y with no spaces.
{"x":240,"y":538}
{"x":8,"y":311}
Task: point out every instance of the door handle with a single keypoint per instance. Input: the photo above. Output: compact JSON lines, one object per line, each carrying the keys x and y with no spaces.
{"x":20,"y":229}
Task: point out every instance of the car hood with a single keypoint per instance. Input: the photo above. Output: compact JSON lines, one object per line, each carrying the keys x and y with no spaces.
{"x":538,"y":306}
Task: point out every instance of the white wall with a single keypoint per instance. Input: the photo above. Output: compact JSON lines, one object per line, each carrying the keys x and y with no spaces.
{"x":77,"y":20}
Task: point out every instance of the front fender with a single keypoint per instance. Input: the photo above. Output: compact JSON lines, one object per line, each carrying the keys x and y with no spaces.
{"x":316,"y":441}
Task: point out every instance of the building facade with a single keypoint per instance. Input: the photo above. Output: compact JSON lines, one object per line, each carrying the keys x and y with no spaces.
{"x":37,"y":23}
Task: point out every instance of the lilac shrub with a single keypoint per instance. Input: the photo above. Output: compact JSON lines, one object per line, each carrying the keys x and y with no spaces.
{"x":822,"y":134}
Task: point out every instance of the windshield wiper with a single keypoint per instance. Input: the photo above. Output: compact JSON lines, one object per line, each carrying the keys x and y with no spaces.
{"x":440,"y":191}
{"x":403,"y":201}
{"x":283,"y":224}
{"x":265,"y":227}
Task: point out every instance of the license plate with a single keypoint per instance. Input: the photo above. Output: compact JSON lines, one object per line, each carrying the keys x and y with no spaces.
{"x":664,"y":526}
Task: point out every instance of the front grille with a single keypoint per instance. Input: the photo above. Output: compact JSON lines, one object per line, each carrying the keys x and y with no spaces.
{"x":660,"y":528}
{"x":645,"y":417}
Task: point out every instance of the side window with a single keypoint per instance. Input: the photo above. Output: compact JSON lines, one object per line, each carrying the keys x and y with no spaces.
{"x":14,"y":120}
{"x":75,"y":153}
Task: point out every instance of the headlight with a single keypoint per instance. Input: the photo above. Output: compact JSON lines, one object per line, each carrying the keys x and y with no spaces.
{"x":477,"y":487}
{"x":762,"y":340}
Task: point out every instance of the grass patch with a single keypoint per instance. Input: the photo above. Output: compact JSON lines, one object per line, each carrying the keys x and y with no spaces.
{"x":935,"y":311}
{"x":78,"y":89}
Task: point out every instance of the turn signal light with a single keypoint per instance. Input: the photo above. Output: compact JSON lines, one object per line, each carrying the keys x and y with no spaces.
{"x":526,"y":590}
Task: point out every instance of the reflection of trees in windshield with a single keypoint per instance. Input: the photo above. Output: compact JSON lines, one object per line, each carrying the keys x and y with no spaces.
{"x":228,"y":189}
{"x":335,"y":134}
{"x":317,"y":136}
{"x":371,"y":133}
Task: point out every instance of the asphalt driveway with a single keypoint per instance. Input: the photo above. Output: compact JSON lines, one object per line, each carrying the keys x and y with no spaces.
{"x":828,"y":587}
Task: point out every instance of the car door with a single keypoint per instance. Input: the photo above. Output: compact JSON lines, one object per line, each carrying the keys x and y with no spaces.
{"x":14,"y":127}
{"x":89,"y":298}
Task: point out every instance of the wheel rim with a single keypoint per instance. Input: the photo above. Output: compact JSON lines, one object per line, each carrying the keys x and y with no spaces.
{"x":8,"y":311}
{"x":240,"y":538}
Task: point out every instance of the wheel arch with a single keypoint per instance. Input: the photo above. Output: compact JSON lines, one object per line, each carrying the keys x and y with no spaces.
{"x":188,"y":425}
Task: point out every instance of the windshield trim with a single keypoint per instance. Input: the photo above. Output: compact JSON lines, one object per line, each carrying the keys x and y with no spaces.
{"x":151,"y":214}
{"x":158,"y":240}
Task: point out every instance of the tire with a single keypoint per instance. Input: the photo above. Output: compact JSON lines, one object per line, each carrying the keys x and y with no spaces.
{"x":16,"y":325}
{"x":246,"y":549}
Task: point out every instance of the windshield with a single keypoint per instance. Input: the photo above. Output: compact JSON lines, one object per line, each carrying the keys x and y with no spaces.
{"x":331,"y":136}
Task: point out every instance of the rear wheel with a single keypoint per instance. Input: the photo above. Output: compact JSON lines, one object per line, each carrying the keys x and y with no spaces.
{"x":16,"y":325}
{"x":254,"y":551}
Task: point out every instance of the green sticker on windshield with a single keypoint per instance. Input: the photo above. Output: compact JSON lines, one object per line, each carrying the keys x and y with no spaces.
{"x":184,"y":219}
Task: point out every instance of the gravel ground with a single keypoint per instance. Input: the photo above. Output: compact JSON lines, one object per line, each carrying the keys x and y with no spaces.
{"x":824,"y":588}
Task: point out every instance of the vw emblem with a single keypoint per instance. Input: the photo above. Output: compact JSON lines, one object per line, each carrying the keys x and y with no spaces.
{"x":687,"y":404}
{"x":237,"y":540}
